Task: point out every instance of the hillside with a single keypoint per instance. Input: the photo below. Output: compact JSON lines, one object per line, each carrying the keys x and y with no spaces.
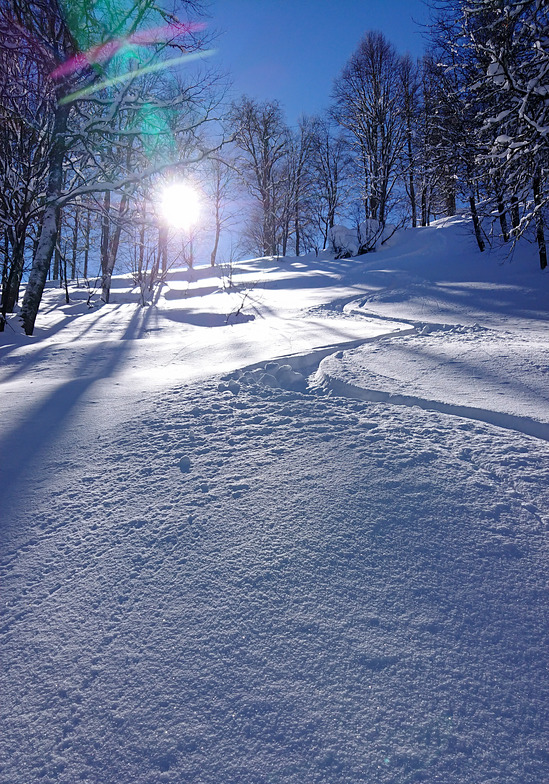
{"x":286,"y":523}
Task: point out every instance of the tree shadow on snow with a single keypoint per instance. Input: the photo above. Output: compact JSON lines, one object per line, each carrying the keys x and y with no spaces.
{"x":27,"y":445}
{"x":204,"y":319}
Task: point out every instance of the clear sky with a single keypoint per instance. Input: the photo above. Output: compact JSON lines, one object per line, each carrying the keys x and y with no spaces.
{"x":292,"y":50}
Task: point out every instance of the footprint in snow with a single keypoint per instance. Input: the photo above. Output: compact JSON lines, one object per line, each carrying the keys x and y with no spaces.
{"x":185,"y":464}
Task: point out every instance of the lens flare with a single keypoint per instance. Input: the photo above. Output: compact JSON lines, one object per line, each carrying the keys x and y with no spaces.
{"x":180,"y":205}
{"x":129,"y":75}
{"x":102,"y":53}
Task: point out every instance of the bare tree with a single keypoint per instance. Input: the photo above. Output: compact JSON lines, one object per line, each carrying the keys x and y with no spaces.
{"x":220,"y":173}
{"x":97,"y":76}
{"x":25,"y":104}
{"x":330,"y":166}
{"x":368,"y":105}
{"x":262,"y":137}
{"x":411,"y":107}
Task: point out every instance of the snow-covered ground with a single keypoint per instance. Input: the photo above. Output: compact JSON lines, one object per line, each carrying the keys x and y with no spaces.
{"x":286,"y":524}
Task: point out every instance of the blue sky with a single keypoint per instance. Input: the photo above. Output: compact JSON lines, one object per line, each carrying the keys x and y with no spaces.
{"x":293,"y":49}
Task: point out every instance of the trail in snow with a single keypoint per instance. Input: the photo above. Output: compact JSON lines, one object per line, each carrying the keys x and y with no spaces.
{"x":87,"y":369}
{"x":494,"y":377}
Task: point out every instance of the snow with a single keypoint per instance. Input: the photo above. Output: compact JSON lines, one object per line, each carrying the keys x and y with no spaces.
{"x":370,"y":234}
{"x":286,"y":524}
{"x":496,"y":73}
{"x":492,"y":376}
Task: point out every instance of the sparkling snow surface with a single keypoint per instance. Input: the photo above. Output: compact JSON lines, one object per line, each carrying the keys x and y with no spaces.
{"x":214,"y":570}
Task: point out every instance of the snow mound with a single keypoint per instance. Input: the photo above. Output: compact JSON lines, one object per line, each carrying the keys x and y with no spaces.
{"x":271,"y":375}
{"x":370,"y":234}
{"x":468,"y":371}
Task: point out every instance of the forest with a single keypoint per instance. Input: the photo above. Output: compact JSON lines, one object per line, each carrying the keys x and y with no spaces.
{"x":102,"y":105}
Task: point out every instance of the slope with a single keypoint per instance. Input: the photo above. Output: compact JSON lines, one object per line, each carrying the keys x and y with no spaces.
{"x":229,"y":579}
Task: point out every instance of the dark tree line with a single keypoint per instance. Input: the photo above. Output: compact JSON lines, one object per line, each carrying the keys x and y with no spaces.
{"x":490,"y":115}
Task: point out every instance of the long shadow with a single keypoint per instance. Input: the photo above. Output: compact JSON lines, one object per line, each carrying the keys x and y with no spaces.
{"x":198,"y":318}
{"x":190,"y":293}
{"x":91,"y":324}
{"x":503,"y":300}
{"x":494,"y":299}
{"x":25,"y":447}
{"x":34,"y":358}
{"x":41,"y":333}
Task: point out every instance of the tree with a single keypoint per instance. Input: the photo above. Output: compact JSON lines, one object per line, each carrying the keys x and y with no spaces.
{"x":368,"y":105}
{"x":296,"y":186}
{"x":330,"y":167}
{"x":262,"y":137}
{"x":410,"y":89}
{"x":97,"y":68}
{"x":455,"y":143}
{"x":220,"y":175}
{"x":511,"y":44}
{"x":24,"y":139}
{"x":496,"y":57}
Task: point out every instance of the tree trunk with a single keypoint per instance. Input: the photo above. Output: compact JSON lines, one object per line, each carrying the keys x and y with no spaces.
{"x":57,"y":258}
{"x":154,"y":270}
{"x":218,"y":197}
{"x":413,"y":198}
{"x":4,"y":281}
{"x":57,"y":270}
{"x":163,"y":248}
{"x":65,"y":279}
{"x":297,"y":228}
{"x":74,"y":244}
{"x":49,"y":224}
{"x":411,"y":162}
{"x":540,"y":231}
{"x":503,"y":219}
{"x":105,"y":244}
{"x":476,"y":223}
{"x":141,"y":250}
{"x":216,"y":241}
{"x":5,"y":265}
{"x":451,"y":202}
{"x":424,"y":211}
{"x":13,"y":282}
{"x":110,"y":243}
{"x":285,"y":235}
{"x":515,"y":215}
{"x":191,"y":252}
{"x":87,"y":243}
{"x":298,"y":188}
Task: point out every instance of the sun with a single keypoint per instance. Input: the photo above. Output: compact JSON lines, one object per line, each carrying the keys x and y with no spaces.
{"x":180,"y":205}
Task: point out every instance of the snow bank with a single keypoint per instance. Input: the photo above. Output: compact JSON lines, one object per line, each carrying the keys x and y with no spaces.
{"x":346,"y":243}
{"x":471,"y":372}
